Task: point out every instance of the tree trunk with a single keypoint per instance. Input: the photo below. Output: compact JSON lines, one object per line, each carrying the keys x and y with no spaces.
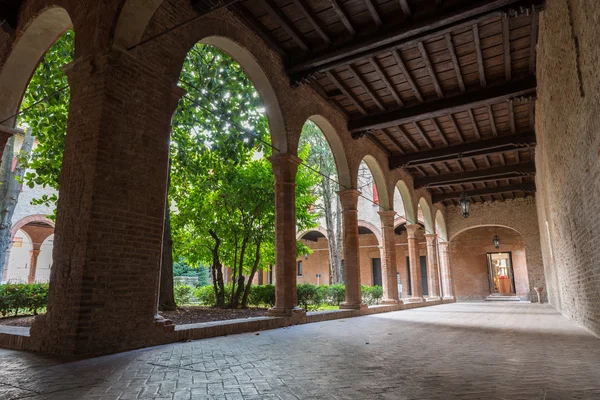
{"x":235,"y":300}
{"x":217,"y":272}
{"x":254,"y":269}
{"x":166,"y":296}
{"x":10,"y":189}
{"x":330,"y":225}
{"x":338,"y":240}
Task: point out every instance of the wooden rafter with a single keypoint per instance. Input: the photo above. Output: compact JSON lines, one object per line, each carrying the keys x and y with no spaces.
{"x":456,"y":128}
{"x":430,"y":70}
{"x":365,"y":86}
{"x":476,"y":176}
{"x":533,"y":41}
{"x":409,"y":139}
{"x":442,"y":107}
{"x":506,"y":43}
{"x":386,"y":81}
{"x":405,"y":8}
{"x":339,"y":10}
{"x":455,"y":63}
{"x":423,"y":135}
{"x":511,"y":116}
{"x":392,"y":139}
{"x":470,"y":149}
{"x":340,"y":85}
{"x":478,"y":52}
{"x":474,"y":123}
{"x":374,"y":13}
{"x":524,"y":187}
{"x":492,"y":120}
{"x":313,"y":19}
{"x":439,"y":131}
{"x":246,"y":16}
{"x":275,"y":13}
{"x":407,"y":76}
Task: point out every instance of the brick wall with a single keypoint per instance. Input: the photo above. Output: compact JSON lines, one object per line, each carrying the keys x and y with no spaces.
{"x":468,"y":257}
{"x":567,"y":156}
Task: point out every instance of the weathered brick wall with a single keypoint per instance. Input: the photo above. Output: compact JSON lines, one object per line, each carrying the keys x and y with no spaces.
{"x":567,"y":156}
{"x":468,"y":257}
{"x":518,"y":214}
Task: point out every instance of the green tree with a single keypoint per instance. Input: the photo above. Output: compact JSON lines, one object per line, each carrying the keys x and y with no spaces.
{"x":44,"y":123}
{"x":328,"y":204}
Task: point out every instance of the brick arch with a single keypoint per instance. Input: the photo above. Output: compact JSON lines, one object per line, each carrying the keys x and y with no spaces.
{"x":379,"y":179}
{"x":372,"y":228}
{"x":440,"y":226}
{"x":427,"y":217}
{"x":337,"y":148}
{"x":26,"y":220}
{"x":319,"y":229}
{"x":133,"y":20}
{"x":35,"y":38}
{"x":407,"y":202}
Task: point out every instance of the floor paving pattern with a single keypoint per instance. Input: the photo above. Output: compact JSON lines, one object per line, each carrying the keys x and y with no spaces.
{"x":451,"y":351}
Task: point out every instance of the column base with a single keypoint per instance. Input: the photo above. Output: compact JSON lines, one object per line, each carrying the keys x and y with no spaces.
{"x":353,"y":306}
{"x":413,"y":300}
{"x":448,"y":298}
{"x":433,"y":298}
{"x":390,"y":301}
{"x":286,"y":312}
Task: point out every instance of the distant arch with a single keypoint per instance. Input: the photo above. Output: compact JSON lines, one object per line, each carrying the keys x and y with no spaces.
{"x":455,"y":234}
{"x":337,"y":148}
{"x":440,"y":226}
{"x":319,"y":229}
{"x":379,"y":179}
{"x":428,"y":220}
{"x":409,"y":212}
{"x":29,"y":219}
{"x":372,"y":228}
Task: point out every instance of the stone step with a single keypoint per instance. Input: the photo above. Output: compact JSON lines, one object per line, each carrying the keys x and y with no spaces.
{"x":497,"y":297}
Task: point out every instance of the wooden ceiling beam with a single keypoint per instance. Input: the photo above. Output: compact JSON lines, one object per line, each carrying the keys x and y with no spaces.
{"x":313,"y":19}
{"x":408,"y":34}
{"x":246,"y":16}
{"x":439,"y":131}
{"x":492,"y":120}
{"x":506,"y":43}
{"x":524,"y":187}
{"x":386,"y":81}
{"x":423,"y":135}
{"x":456,"y":128}
{"x":455,"y":63}
{"x":340,"y":85}
{"x":430,"y":70}
{"x":275,"y":13}
{"x":407,"y":75}
{"x":479,"y":53}
{"x":409,"y":139}
{"x":365,"y":86}
{"x":533,"y":40}
{"x":470,"y":149}
{"x":339,"y":10}
{"x":474,"y":123}
{"x":443,"y":107}
{"x":374,"y":13}
{"x":393,"y":140}
{"x":405,"y":8}
{"x":477,"y":176}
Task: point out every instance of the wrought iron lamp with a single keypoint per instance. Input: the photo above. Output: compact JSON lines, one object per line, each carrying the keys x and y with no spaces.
{"x":465,"y":204}
{"x":496,"y":241}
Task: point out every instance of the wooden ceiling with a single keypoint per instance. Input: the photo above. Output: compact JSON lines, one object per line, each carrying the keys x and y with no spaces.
{"x":445,"y":87}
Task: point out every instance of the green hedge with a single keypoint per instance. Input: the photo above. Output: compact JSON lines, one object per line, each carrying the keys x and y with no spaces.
{"x":23,"y":298}
{"x":371,"y":294}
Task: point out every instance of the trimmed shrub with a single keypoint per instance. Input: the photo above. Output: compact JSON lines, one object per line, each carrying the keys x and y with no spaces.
{"x":336,"y":294}
{"x":183,"y":294}
{"x":205,"y":295}
{"x":310,"y":297}
{"x":371,"y":294}
{"x":23,"y":297}
{"x":262,"y":295}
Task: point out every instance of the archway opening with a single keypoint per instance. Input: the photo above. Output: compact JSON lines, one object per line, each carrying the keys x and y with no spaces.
{"x":369,"y":244}
{"x":403,"y":258}
{"x":483,"y":269}
{"x":314,"y":265}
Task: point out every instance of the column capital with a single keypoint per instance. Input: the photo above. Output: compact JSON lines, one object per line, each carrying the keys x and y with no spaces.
{"x":285,"y":167}
{"x":387,"y":218}
{"x":412,"y":229}
{"x":430,"y":238}
{"x":349,"y":199}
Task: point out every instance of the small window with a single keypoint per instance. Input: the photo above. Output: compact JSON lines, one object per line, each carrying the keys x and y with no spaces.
{"x":299,"y":268}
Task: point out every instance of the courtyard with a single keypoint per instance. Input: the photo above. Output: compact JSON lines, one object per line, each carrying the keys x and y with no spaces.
{"x":460,"y":350}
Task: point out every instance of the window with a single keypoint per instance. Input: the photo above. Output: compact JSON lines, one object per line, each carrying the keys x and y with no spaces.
{"x":299,"y":268}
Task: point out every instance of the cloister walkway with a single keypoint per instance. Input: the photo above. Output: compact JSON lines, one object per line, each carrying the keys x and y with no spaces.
{"x":461,"y":350}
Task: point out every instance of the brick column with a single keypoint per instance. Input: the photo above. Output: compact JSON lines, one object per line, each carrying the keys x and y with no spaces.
{"x":415,"y":265}
{"x":388,"y":265}
{"x":444,"y":252}
{"x":432,"y":266}
{"x":349,"y":201}
{"x":285,"y":167}
{"x":33,"y":264}
{"x":110,"y":213}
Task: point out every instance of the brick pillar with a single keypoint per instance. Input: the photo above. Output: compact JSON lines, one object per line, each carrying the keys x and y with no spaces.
{"x":415,"y":265}
{"x":444,"y":252}
{"x":349,"y":201}
{"x":285,"y":167}
{"x":110,"y":213}
{"x":388,"y":265}
{"x":432,"y":266}
{"x":33,"y":264}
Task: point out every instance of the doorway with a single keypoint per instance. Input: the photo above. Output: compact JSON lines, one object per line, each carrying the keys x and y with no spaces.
{"x":500,"y":271}
{"x":377,"y":278}
{"x":424,"y":283}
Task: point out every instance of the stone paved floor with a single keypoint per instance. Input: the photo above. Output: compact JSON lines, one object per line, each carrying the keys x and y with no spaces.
{"x":453,"y":351}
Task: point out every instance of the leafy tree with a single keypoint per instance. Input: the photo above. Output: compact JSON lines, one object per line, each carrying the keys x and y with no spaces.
{"x":46,"y":124}
{"x":328,"y":204}
{"x":221,"y":185}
